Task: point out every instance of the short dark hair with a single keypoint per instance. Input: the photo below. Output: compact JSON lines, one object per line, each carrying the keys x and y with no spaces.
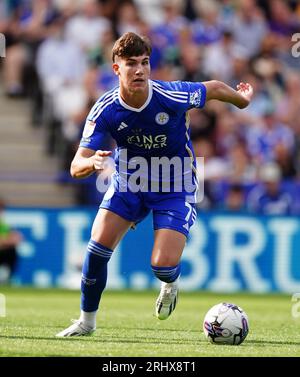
{"x":131,"y":44}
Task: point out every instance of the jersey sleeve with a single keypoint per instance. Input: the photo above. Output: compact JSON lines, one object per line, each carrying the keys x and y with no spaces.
{"x":197,"y":94}
{"x":190,"y":94}
{"x":95,"y":131}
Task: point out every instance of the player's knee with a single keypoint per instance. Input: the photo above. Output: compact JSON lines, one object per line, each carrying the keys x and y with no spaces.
{"x":102,"y":239}
{"x":164,"y":260}
{"x":95,"y":235}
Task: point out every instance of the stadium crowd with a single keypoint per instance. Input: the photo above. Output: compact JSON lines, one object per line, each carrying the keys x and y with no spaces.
{"x":59,"y":55}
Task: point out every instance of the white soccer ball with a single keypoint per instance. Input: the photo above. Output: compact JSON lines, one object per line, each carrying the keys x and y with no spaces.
{"x":226,"y":323}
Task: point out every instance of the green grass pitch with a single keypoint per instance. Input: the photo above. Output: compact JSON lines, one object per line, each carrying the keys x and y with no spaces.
{"x":128,"y":327}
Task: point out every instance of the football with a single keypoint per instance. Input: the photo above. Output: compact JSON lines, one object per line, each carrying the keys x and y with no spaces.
{"x":226,"y":323}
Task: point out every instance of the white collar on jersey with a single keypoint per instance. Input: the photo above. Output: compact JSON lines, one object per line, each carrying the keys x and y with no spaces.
{"x":124,"y":104}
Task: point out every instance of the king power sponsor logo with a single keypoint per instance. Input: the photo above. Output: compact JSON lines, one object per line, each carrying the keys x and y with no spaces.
{"x":148,"y":141}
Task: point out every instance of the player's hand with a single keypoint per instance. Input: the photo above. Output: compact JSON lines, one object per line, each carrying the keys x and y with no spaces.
{"x":245,"y":90}
{"x":99,"y":159}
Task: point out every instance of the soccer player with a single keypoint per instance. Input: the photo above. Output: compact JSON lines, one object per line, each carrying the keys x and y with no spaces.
{"x":148,"y":119}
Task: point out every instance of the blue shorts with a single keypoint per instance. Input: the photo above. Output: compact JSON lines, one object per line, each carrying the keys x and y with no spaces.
{"x":170,"y":210}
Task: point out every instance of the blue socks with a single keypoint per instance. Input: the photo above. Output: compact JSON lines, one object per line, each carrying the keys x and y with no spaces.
{"x":94,"y":275}
{"x":167,"y":274}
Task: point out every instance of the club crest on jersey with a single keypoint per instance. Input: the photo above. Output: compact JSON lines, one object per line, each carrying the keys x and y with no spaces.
{"x":195,"y":98}
{"x":162,"y":118}
{"x":88,"y":128}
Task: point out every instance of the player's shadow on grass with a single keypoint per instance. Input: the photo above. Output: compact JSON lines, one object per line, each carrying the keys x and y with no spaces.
{"x":104,"y":339}
{"x":146,"y":340}
{"x":150,"y":329}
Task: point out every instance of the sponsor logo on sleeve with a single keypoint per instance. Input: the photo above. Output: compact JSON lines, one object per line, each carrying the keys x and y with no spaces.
{"x":89,"y":129}
{"x":195,"y":98}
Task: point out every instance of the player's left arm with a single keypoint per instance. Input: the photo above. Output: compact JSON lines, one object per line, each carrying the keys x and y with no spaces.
{"x":220,"y":91}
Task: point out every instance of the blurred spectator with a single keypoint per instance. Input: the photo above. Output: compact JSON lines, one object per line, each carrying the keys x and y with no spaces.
{"x":219,"y":57}
{"x":202,"y":123}
{"x":9,"y":240}
{"x":128,"y":18}
{"x":266,"y":137}
{"x":261,"y":101}
{"x":191,"y":63}
{"x":240,"y":166}
{"x":214,"y":166}
{"x":286,"y":160}
{"x":234,"y":199}
{"x":25,"y":29}
{"x":61,"y":81}
{"x":206,"y":28}
{"x":269,"y":198}
{"x":283,"y":21}
{"x":249,"y":26}
{"x":85,"y":29}
{"x":228,"y":132}
{"x":54,"y":57}
{"x":288,"y":112}
{"x":166,"y":36}
{"x":15,"y":59}
{"x":215,"y":170}
{"x":150,"y":11}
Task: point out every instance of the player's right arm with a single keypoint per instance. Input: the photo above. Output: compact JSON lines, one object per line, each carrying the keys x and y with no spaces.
{"x":87,"y":161}
{"x":88,"y":157}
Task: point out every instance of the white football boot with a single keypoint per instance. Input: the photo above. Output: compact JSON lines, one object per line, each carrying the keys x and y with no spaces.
{"x":167,"y":300}
{"x":77,"y":329}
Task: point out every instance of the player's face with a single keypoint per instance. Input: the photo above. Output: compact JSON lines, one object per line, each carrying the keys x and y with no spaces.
{"x":133,"y":73}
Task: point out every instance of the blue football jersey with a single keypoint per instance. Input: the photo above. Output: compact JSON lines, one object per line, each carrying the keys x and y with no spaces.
{"x":159,"y":128}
